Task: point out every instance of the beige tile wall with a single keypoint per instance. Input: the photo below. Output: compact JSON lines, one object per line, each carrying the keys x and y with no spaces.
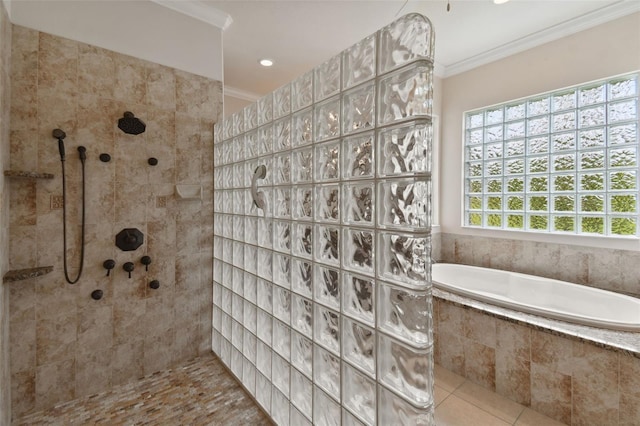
{"x":574,"y":382}
{"x":614,"y":270}
{"x":5,"y":98}
{"x":64,"y":344}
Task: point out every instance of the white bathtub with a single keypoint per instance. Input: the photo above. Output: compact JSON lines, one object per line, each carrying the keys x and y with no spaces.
{"x":561,"y":300}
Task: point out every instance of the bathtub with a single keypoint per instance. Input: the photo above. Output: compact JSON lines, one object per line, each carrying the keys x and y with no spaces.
{"x":561,"y":300}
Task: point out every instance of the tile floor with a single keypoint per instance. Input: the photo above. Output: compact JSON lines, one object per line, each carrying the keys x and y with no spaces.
{"x":203,"y":392}
{"x":460,"y":402}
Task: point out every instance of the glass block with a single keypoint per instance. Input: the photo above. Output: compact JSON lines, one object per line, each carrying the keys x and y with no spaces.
{"x":282,"y":134}
{"x":538,"y":183}
{"x":226,"y":300}
{"x":249,"y":377}
{"x":327,"y":78}
{"x":282,"y":304}
{"x":623,"y":111}
{"x":358,"y":250}
{"x":623,"y":134}
{"x":216,"y":320}
{"x":359,"y":394}
{"x":407,"y":370}
{"x":279,"y":407}
{"x":280,"y":374}
{"x":302,"y":165}
{"x":405,"y":40}
{"x":327,"y":202}
{"x":301,"y":392}
{"x":302,"y":91}
{"x":263,"y":392}
{"x":302,"y":277}
{"x":302,"y":239}
{"x":538,"y":126}
{"x":265,"y":109}
{"x":327,"y":158}
{"x":227,"y":178}
{"x":237,"y":305}
{"x":265,"y":141}
{"x":225,"y":351}
{"x":538,"y":222}
{"x":564,"y":101}
{"x":238,"y":254}
{"x":282,"y":270}
{"x":395,"y":410}
{"x":405,"y":314}
{"x":302,"y":128}
{"x":359,"y":346}
{"x":404,"y":149}
{"x":626,"y":226}
{"x":623,"y":202}
{"x":538,"y":145}
{"x":592,"y":94}
{"x":564,"y":121}
{"x":358,"y":202}
{"x":301,"y":353}
{"x":326,"y":371}
{"x":237,"y":149}
{"x":250,"y":287}
{"x":282,"y":236}
{"x":564,"y":223}
{"x":621,"y":180}
{"x":564,"y":162}
{"x":404,"y":203}
{"x":349,"y":419}
{"x":358,"y":109}
{"x":251,"y":144}
{"x":593,"y":116}
{"x":237,"y":333}
{"x":264,"y":264}
{"x":227,"y":131}
{"x":406,"y":93}
{"x":327,"y":287}
{"x":358,"y":156}
{"x":250,"y":258}
{"x":592,"y":138}
{"x":326,"y":412}
{"x":403,"y":259}
{"x":217,"y":294}
{"x":515,"y":166}
{"x":263,"y":359}
{"x":302,"y":315}
{"x":592,"y":159}
{"x":626,"y":157}
{"x":282,"y":339}
{"x":282,"y":202}
{"x":592,"y":203}
{"x":282,"y":101}
{"x":358,"y":297}
{"x":474,"y":153}
{"x":327,"y":328}
{"x":236,"y":362}
{"x":265,"y":233}
{"x":249,"y":317}
{"x":359,"y":62}
{"x":264,"y":326}
{"x":238,"y":228}
{"x":227,"y":277}
{"x":564,"y":182}
{"x":327,"y":119}
{"x":265,"y":295}
{"x":623,"y":87}
{"x":327,"y":241}
{"x":538,"y":106}
{"x":237,"y":281}
{"x":250,"y":117}
{"x":282,"y":169}
{"x":302,"y":200}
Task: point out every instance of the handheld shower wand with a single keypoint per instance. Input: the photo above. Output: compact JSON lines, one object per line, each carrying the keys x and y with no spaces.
{"x":82,"y":151}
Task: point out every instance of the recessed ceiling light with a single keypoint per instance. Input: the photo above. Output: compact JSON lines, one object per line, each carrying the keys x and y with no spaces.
{"x":500,"y":1}
{"x":265,"y":62}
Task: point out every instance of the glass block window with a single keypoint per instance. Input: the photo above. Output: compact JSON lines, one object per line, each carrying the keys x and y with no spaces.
{"x":563,"y":162}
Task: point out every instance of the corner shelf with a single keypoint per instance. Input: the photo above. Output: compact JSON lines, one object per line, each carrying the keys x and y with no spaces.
{"x":25,"y":274}
{"x":27,"y":175}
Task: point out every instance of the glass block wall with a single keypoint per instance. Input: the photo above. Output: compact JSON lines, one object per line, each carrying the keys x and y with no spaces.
{"x":322,"y":298}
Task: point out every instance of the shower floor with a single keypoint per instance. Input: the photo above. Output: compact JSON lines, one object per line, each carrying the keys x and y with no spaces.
{"x":202,"y":392}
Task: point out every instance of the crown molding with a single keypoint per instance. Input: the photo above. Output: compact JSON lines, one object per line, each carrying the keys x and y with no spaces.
{"x":563,"y":29}
{"x":241,"y":94}
{"x":200,"y":11}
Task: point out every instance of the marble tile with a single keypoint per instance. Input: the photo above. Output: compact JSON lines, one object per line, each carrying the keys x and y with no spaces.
{"x":447,"y":380}
{"x":451,"y":354}
{"x":439,"y":395}
{"x":161,"y":87}
{"x":96,"y":70}
{"x":480,"y":328}
{"x":56,"y":338}
{"x":513,"y":339}
{"x":24,"y":54}
{"x":629,"y":410}
{"x":23,"y":392}
{"x":480,"y":364}
{"x":127,"y":361}
{"x":494,"y":404}
{"x":130,"y":80}
{"x":57,"y":61}
{"x":551,"y":393}
{"x":55,"y":383}
{"x":629,"y":376}
{"x":530,"y":417}
{"x":513,"y":377}
{"x":93,"y":372}
{"x":455,"y":411}
{"x":553,"y":352}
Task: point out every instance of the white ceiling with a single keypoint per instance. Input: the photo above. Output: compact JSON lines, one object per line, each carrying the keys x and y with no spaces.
{"x":300,"y":34}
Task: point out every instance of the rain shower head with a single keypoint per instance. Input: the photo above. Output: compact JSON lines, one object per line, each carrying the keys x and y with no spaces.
{"x":131,"y":124}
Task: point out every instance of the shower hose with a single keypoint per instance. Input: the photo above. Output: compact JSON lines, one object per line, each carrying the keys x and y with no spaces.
{"x":82,"y":151}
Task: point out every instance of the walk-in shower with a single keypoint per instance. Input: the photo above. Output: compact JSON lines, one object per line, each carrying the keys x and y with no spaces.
{"x":82,"y":152}
{"x":322,"y":296}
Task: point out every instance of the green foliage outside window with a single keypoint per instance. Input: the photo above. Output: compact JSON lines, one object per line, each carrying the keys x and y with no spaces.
{"x":538,"y":203}
{"x":623,"y":203}
{"x":515,"y":221}
{"x":564,"y":223}
{"x":515,"y":185}
{"x":623,"y":226}
{"x":538,"y":222}
{"x":563,"y":203}
{"x":593,"y":225}
{"x":494,"y":220}
{"x":623,"y":180}
{"x":515,"y":203}
{"x":494,"y":203}
{"x":592,"y":203}
{"x":475,"y":203}
{"x":475,"y":219}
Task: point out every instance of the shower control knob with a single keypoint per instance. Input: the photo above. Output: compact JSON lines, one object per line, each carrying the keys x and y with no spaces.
{"x":109,"y":264}
{"x":128,"y":267}
{"x":146,"y":261}
{"x":96,"y":294}
{"x":152,"y":161}
{"x":105,"y":158}
{"x":155,"y":284}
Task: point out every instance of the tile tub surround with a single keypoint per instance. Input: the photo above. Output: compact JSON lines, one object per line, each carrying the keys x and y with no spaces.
{"x":614,"y":270}
{"x":5,"y":109}
{"x":564,"y":377}
{"x":304,"y":317}
{"x":64,"y":344}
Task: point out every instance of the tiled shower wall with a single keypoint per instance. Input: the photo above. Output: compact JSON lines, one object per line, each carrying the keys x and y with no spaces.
{"x":5,"y":97}
{"x":615,"y":270}
{"x":63,"y":343}
{"x":322,"y":302}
